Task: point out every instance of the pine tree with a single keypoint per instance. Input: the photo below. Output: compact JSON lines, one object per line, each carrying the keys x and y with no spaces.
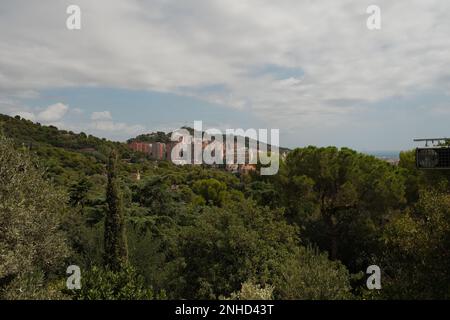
{"x":116,"y":252}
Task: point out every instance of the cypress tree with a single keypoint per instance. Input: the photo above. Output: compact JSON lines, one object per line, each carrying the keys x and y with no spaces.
{"x":116,"y":251}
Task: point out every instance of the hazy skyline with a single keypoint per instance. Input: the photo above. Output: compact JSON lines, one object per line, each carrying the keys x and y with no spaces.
{"x":310,"y":68}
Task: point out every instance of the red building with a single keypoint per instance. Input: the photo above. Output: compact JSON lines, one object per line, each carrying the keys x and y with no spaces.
{"x":140,"y":147}
{"x":158,"y":151}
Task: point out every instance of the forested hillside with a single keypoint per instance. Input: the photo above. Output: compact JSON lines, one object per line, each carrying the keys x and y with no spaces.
{"x":192,"y":232}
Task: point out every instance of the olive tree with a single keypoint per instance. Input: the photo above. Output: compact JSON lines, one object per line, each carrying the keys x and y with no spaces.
{"x":31,"y":209}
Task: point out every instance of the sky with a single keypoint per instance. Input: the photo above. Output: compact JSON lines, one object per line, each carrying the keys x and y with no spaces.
{"x":311,"y":69}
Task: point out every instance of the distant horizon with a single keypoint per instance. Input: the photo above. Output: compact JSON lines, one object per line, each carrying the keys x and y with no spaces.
{"x":369,"y":152}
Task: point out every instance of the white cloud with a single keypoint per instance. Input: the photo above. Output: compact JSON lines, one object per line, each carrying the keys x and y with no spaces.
{"x":100,"y":123}
{"x":26,"y":115}
{"x":103,"y":121}
{"x":192,"y":44}
{"x":53,"y":113}
{"x":76,"y":111}
{"x":102,"y":115}
{"x":117,"y":127}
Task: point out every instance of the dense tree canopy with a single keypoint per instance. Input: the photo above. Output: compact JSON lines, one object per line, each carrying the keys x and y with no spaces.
{"x":341,"y":198}
{"x":309,"y":232}
{"x":31,"y":209}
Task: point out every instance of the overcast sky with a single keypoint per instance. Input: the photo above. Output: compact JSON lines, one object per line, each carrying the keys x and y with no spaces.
{"x":310,"y":68}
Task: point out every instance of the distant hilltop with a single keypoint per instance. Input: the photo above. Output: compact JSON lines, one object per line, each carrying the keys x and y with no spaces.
{"x":243,"y":159}
{"x":163,"y":137}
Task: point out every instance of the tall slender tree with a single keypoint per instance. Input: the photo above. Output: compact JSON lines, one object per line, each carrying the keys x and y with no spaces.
{"x":116,"y":251}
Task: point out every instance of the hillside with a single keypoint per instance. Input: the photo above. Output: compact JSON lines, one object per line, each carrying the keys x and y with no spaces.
{"x":34,"y":135}
{"x":66,"y":155}
{"x":164,"y":137}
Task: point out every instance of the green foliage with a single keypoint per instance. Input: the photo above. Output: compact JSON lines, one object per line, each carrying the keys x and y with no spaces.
{"x":251,"y":291}
{"x":105,"y":284}
{"x":226,"y":246}
{"x":264,"y":193}
{"x":417,"y":260}
{"x":152,"y":137}
{"x":78,"y":192}
{"x":116,"y":251}
{"x":154,"y":256}
{"x":200,"y":232}
{"x":211,"y":190}
{"x":31,"y":210}
{"x":310,"y":275}
{"x":84,"y":239}
{"x":34,"y":286}
{"x":25,"y":132}
{"x":341,"y":199}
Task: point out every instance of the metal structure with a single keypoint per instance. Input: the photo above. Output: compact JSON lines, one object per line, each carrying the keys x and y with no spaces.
{"x":436,"y":156}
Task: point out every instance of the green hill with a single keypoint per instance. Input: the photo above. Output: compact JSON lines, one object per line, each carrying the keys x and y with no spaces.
{"x":66,"y":155}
